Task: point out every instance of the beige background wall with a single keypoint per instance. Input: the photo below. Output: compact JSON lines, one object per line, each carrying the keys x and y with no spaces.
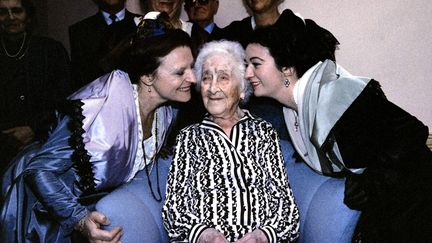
{"x":389,"y":40}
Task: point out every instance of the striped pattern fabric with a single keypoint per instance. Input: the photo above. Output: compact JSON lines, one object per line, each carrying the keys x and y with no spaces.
{"x":234,"y":184}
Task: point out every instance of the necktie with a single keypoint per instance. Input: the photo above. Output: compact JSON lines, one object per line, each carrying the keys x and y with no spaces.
{"x":113,"y":18}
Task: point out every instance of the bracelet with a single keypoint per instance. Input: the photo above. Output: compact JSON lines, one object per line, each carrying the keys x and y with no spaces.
{"x":80,"y":226}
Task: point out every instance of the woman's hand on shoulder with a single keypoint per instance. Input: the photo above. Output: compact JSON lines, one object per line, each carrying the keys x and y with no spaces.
{"x":256,"y":236}
{"x":212,"y":235}
{"x":90,"y":227}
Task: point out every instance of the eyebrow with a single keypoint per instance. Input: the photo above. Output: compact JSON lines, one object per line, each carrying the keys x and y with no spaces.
{"x":253,"y":58}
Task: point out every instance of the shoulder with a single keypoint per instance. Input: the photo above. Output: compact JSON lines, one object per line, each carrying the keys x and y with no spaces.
{"x":238,"y":31}
{"x":217,"y":33}
{"x":86,"y":23}
{"x":47,"y":40}
{"x":46,"y":43}
{"x":129,"y":16}
{"x":259,"y":124}
{"x":238,"y":24}
{"x":288,"y":19}
{"x":117,"y":83}
{"x":191,"y":129}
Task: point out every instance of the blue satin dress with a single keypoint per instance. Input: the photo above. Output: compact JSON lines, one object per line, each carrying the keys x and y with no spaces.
{"x":90,"y":151}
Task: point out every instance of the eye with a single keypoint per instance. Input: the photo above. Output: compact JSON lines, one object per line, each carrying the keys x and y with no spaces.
{"x":256,"y":64}
{"x":223,"y":77}
{"x":206,"y":78}
{"x":180,"y":72}
{"x":17,"y":10}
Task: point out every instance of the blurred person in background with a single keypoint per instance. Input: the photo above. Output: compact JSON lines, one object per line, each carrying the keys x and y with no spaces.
{"x":34,"y":78}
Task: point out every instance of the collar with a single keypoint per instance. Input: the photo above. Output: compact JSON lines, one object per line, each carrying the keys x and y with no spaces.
{"x":120,"y":16}
{"x":253,"y":23}
{"x":209,"y":28}
{"x":300,"y":85}
{"x":208,"y":122}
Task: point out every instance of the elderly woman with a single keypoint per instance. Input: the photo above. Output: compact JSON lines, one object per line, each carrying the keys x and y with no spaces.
{"x":34,"y":78}
{"x":227,"y":181}
{"x":109,"y":136}
{"x":343,"y":125}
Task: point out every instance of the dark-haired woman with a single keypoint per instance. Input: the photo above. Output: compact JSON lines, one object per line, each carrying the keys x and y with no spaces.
{"x":110,"y":132}
{"x":343,"y":126}
{"x":34,"y":77}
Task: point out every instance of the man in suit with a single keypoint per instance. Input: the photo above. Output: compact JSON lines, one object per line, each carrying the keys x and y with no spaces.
{"x":92,"y":38}
{"x":202,"y":12}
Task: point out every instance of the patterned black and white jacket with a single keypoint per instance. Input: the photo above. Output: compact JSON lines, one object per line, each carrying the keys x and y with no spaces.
{"x":235,"y":183}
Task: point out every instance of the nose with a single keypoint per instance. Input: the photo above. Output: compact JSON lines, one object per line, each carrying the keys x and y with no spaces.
{"x":191,"y":78}
{"x":249,"y":72}
{"x":10,"y":14}
{"x":214,"y":86}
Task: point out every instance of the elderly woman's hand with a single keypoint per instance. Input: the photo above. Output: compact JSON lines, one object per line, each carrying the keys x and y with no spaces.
{"x":256,"y":236}
{"x":212,"y":235}
{"x":90,"y":227}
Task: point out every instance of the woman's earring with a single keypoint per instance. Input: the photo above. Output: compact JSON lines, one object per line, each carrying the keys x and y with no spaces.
{"x":149,"y":89}
{"x":286,"y":82}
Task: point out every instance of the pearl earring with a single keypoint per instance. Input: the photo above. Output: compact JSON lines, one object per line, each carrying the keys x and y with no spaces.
{"x":149,"y":89}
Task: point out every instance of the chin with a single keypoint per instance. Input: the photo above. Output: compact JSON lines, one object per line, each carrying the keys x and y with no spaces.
{"x":183,"y":98}
{"x":259,"y":93}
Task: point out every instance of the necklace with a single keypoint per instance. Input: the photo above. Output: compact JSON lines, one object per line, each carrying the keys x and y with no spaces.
{"x":159,"y":197}
{"x":18,"y":52}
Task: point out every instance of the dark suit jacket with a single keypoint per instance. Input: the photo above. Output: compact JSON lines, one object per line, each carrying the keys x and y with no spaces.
{"x":90,"y":40}
{"x":216,"y":34}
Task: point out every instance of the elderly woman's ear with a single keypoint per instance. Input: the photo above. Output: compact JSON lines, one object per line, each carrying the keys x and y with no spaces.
{"x":242,"y":95}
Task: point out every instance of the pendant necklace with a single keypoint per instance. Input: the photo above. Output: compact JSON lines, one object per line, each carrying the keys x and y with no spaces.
{"x":159,"y":198}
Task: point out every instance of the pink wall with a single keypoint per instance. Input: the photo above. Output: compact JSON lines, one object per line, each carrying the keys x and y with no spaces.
{"x":389,"y":40}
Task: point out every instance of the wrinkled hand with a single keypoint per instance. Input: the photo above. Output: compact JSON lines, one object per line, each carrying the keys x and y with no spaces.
{"x":212,"y":235}
{"x":91,"y":228}
{"x":22,"y":135}
{"x":256,"y":236}
{"x":355,"y":195}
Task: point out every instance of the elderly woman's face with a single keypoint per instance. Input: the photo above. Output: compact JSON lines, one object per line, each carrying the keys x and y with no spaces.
{"x":261,"y":71}
{"x":220,"y":87}
{"x":174,"y":76}
{"x":172,"y":7}
{"x":13,"y":17}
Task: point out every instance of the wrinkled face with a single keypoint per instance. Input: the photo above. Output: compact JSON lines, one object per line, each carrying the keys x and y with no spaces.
{"x":13,"y":17}
{"x":175,"y":76}
{"x":262,"y":71}
{"x":220,"y":87}
{"x":261,"y":6}
{"x":201,"y":11}
{"x":172,"y":7}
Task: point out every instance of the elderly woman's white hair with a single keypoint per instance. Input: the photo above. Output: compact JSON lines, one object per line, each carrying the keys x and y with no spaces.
{"x":232,"y":50}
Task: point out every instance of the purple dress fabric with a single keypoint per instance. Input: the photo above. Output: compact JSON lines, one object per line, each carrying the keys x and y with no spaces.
{"x":43,"y":188}
{"x":110,"y":128}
